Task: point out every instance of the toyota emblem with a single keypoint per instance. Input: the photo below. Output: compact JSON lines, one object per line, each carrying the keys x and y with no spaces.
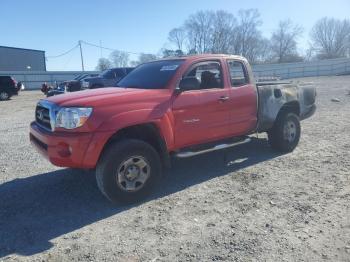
{"x":40,"y":115}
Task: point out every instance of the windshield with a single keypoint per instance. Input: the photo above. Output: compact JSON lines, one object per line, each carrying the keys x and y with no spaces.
{"x":104,"y":72}
{"x":107,"y":73}
{"x":153,"y":75}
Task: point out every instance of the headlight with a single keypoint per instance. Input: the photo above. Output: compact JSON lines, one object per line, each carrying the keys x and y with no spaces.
{"x":72,"y":117}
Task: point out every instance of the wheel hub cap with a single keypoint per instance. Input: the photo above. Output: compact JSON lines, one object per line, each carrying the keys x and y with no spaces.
{"x":3,"y":95}
{"x":289,"y":131}
{"x":133,"y":173}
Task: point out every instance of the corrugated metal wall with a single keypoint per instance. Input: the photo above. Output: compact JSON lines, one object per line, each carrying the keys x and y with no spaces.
{"x":303,"y":69}
{"x":33,"y":80}
{"x":17,"y":59}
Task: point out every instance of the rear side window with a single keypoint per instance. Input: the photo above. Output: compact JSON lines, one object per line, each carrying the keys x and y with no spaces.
{"x":238,"y":73}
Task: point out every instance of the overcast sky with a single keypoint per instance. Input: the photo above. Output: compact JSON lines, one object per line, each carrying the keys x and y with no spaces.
{"x":135,"y":26}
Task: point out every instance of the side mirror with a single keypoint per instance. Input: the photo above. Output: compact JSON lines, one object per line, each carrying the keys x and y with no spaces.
{"x":189,"y":83}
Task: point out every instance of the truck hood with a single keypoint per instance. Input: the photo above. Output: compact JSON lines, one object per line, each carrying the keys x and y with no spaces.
{"x":108,"y":96}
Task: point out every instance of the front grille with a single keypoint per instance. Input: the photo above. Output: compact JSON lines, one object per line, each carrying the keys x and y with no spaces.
{"x":42,"y":116}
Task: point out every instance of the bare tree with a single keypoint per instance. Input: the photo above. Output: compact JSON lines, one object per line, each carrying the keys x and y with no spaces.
{"x":331,"y":38}
{"x":103,"y":64}
{"x":170,"y":52}
{"x":134,"y":63}
{"x":261,"y":51}
{"x":177,"y":36}
{"x":224,"y":25}
{"x":119,"y":58}
{"x":221,"y":32}
{"x":284,"y":41}
{"x":247,"y":34}
{"x":199,"y":31}
{"x":143,"y":58}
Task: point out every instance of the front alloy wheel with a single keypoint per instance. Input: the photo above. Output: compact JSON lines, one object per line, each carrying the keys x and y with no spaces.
{"x":4,"y":95}
{"x":128,"y":170}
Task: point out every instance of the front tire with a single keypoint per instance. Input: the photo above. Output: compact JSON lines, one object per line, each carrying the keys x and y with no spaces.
{"x":4,"y":95}
{"x":128,"y":170}
{"x":285,"y":134}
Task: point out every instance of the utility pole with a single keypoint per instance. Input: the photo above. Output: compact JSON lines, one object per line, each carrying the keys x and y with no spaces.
{"x":101,"y":47}
{"x":81,"y":56}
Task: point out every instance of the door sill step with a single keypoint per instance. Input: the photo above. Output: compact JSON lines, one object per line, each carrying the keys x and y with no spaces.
{"x":186,"y":154}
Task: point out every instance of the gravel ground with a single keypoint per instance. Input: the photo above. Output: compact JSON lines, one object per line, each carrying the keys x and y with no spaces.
{"x":245,"y":204}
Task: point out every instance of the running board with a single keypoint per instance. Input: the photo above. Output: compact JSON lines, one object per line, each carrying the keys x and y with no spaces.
{"x":186,"y":154}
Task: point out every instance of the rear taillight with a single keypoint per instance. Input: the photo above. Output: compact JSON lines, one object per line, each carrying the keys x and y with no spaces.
{"x":14,"y":81}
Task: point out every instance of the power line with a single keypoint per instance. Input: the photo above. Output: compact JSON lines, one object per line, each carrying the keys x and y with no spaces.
{"x":90,"y":44}
{"x":65,"y":53}
{"x":94,"y":45}
{"x":111,"y":49}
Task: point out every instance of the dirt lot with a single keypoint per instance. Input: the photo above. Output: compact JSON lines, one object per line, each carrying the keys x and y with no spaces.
{"x":245,"y":204}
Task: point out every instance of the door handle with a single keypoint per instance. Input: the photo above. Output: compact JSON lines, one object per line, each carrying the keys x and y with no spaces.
{"x":223,"y":98}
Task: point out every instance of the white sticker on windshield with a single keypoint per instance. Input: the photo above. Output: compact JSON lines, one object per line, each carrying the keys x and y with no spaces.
{"x":169,"y":68}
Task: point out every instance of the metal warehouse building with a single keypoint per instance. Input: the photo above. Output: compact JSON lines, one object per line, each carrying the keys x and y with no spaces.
{"x":20,"y":59}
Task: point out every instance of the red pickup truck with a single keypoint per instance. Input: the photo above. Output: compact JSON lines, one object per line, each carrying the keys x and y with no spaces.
{"x":178,"y":107}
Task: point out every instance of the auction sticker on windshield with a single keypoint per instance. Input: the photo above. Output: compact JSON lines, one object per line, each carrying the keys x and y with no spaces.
{"x":169,"y":67}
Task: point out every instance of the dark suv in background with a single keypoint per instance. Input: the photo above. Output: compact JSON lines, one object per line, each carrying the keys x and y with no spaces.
{"x":109,"y":77}
{"x":8,"y":87}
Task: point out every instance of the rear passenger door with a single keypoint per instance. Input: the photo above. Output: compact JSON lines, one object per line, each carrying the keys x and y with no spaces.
{"x":243,"y":94}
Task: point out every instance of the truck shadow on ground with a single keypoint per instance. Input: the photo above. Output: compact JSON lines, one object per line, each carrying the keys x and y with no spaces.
{"x":39,"y":208}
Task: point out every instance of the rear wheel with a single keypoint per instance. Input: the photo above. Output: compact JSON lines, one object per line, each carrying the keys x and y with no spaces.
{"x":4,"y":95}
{"x":285,"y":134}
{"x":128,"y":170}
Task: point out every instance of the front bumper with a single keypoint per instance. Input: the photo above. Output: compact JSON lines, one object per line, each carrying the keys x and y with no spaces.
{"x":62,"y":149}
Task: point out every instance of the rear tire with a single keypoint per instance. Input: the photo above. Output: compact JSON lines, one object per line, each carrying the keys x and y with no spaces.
{"x":285,"y":134}
{"x":4,"y":95}
{"x":128,"y":170}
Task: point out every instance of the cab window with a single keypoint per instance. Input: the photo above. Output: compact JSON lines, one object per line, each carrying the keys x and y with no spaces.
{"x":238,"y":73}
{"x":209,"y":74}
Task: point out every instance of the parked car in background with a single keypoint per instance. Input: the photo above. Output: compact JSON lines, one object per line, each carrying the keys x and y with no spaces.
{"x":69,"y":85}
{"x":107,"y":78}
{"x":75,"y":84}
{"x":8,"y":87}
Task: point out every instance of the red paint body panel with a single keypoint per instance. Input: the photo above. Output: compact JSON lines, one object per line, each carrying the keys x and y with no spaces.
{"x":184,"y":119}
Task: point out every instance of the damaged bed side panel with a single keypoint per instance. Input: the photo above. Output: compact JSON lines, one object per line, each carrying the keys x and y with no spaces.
{"x":273,"y":97}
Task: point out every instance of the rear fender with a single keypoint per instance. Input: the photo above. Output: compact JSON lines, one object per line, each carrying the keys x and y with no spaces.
{"x":272,"y":101}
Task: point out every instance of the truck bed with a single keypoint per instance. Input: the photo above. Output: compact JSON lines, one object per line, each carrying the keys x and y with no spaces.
{"x":272,"y":96}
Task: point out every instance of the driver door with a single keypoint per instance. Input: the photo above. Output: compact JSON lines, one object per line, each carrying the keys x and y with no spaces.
{"x":202,"y":115}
